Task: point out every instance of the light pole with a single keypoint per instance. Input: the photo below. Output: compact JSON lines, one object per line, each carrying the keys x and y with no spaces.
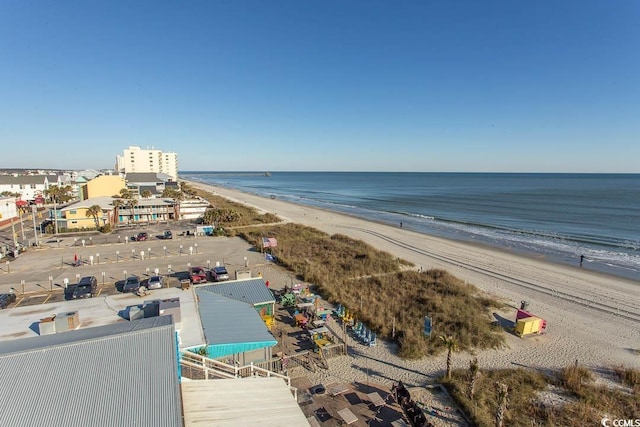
{"x":21,"y":225}
{"x":34,"y":210}
{"x":55,"y":216}
{"x":13,"y":232}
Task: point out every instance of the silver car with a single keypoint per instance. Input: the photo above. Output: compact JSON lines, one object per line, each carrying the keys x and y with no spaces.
{"x":155,"y":282}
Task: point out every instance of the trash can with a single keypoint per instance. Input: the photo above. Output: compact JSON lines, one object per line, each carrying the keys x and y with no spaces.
{"x":524,"y":305}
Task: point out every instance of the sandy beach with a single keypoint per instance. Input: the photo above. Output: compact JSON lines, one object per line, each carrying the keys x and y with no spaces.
{"x":591,"y":318}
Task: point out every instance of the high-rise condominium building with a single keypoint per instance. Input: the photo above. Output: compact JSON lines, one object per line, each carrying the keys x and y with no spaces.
{"x":139,"y":160}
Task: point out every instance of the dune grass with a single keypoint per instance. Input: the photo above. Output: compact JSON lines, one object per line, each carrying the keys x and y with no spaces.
{"x":585,"y":402}
{"x":379,"y":290}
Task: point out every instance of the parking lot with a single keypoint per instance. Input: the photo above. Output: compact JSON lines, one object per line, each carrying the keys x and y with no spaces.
{"x":41,"y":274}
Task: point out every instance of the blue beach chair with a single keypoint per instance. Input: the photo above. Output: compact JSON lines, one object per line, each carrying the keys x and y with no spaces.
{"x":372,"y":340}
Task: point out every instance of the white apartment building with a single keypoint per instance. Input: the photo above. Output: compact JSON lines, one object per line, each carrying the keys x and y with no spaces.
{"x":139,"y":160}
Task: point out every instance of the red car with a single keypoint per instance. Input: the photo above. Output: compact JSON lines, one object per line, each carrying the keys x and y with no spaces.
{"x":197,"y":275}
{"x":142,"y":237}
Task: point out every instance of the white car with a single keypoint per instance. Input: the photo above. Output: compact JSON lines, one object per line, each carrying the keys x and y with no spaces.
{"x":155,"y":282}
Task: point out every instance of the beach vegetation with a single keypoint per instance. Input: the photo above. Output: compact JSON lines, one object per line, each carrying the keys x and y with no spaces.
{"x":221,"y":216}
{"x":629,"y":377}
{"x":94,"y":212}
{"x":568,"y":397}
{"x":385,"y":292}
{"x":451,"y":346}
{"x":243,"y":215}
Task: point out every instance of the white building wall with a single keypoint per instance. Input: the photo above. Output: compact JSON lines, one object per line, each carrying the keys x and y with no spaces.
{"x":138,"y":160}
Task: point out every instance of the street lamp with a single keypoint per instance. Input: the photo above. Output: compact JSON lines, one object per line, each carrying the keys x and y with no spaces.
{"x":13,"y":232}
{"x":21,"y":226}
{"x":34,"y":210}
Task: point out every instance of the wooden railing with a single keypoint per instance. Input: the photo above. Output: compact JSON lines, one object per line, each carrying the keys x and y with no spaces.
{"x":333,"y":350}
{"x":215,"y":369}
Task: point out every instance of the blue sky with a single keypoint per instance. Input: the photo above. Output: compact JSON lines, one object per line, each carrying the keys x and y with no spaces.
{"x":539,"y":86}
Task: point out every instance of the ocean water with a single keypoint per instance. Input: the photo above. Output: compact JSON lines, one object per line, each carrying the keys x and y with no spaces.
{"x":555,"y":216}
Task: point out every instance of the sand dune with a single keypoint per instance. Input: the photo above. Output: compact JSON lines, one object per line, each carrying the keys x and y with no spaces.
{"x":592,"y":318}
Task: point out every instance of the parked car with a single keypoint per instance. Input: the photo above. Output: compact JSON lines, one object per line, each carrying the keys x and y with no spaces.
{"x":87,"y":287}
{"x":141,"y":237}
{"x":197,"y":275}
{"x":7,"y":299}
{"x":131,"y":284}
{"x":155,"y":282}
{"x":167,"y":235}
{"x":219,"y":274}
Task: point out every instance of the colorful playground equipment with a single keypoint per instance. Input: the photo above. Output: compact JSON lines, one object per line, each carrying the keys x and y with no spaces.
{"x":288,"y":300}
{"x":268,"y":321}
{"x":320,"y":337}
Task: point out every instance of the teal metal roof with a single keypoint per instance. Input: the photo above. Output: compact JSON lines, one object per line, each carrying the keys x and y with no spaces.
{"x":230,"y":326}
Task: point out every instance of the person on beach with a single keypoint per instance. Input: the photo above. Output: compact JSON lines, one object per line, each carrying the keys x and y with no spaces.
{"x":581,"y":260}
{"x":400,"y":224}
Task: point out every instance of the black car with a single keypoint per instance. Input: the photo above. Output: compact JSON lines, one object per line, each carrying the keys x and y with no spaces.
{"x":87,"y":287}
{"x":131,"y":284}
{"x":6,"y":300}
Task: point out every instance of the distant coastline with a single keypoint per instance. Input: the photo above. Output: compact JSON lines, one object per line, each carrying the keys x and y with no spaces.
{"x":557,"y":217}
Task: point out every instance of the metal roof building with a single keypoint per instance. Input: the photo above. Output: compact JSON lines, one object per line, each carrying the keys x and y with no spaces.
{"x":120,"y":374}
{"x":251,"y":291}
{"x":232,"y":327}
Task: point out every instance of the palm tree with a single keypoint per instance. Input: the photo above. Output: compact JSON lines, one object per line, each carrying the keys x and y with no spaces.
{"x":117,"y":204}
{"x":452,"y":346}
{"x":474,"y":373}
{"x":131,"y":204}
{"x":125,"y":193}
{"x":503,"y":396}
{"x":146,"y":194}
{"x":177,"y":197}
{"x":94,"y":212}
{"x":58,"y":195}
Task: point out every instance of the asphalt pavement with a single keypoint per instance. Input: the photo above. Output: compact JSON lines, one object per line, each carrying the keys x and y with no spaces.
{"x":38,"y":275}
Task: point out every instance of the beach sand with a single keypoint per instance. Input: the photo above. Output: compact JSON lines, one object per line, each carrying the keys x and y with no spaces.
{"x":591,"y":318}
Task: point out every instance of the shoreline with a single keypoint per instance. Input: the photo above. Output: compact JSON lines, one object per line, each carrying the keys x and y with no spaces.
{"x":566,"y":257}
{"x":592,"y":317}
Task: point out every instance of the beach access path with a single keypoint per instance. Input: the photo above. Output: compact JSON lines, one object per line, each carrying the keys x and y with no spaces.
{"x":592,"y":318}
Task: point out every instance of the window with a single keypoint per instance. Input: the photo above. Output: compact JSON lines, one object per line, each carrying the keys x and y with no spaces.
{"x":73,"y":212}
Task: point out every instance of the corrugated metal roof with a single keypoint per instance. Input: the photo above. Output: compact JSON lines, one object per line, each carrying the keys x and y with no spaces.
{"x":264,"y":402}
{"x":252,"y":291}
{"x":142,"y":177}
{"x":225,"y":321}
{"x":23,"y":179}
{"x":121,"y":374}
